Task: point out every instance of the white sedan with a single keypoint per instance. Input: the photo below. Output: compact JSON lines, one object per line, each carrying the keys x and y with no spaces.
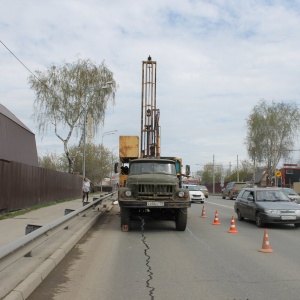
{"x":196,"y":195}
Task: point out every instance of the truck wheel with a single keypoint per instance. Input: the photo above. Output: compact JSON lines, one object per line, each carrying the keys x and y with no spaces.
{"x":125,"y":219}
{"x":181,"y":219}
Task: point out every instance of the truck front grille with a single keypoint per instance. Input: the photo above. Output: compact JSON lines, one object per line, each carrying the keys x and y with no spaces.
{"x":147,"y":191}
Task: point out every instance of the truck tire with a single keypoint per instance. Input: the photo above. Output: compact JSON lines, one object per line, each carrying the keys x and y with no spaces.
{"x":125,"y":219}
{"x":181,"y":219}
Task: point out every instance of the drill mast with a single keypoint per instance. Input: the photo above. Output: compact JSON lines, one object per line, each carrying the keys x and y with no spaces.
{"x":150,"y":135}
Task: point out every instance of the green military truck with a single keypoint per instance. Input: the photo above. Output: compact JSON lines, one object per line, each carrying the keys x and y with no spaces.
{"x":153,"y":190}
{"x":150,"y":185}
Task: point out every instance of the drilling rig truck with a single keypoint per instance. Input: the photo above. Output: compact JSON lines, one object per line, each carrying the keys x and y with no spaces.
{"x":150,"y":185}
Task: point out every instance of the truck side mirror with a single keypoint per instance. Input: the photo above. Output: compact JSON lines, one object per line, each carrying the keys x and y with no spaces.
{"x":116,"y":168}
{"x":187,"y":170}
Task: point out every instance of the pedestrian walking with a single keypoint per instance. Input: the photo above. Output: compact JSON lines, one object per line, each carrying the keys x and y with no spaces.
{"x":85,"y":189}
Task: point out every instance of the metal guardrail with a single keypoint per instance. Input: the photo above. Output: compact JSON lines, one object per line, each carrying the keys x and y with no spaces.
{"x":24,"y":245}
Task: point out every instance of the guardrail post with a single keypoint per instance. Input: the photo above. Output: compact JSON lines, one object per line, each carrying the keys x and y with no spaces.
{"x":67,"y":211}
{"x":31,"y":227}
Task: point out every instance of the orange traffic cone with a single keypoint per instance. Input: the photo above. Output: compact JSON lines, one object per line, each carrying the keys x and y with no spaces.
{"x":203,"y":215}
{"x":216,"y":220}
{"x":232,"y":226}
{"x":265,"y":244}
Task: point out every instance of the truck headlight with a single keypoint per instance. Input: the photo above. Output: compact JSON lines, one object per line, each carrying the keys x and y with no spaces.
{"x":128,"y":193}
{"x":181,"y":194}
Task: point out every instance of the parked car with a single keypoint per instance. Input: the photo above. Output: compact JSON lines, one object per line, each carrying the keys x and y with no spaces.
{"x":196,"y":195}
{"x":204,"y":190}
{"x":266,"y":205}
{"x":292,"y":195}
{"x":232,"y":189}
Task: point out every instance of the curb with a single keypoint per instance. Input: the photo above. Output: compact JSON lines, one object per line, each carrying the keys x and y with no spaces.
{"x":28,"y":285}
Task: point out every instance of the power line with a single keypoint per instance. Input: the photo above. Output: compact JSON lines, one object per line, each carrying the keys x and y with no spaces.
{"x":43,"y":83}
{"x":21,"y":63}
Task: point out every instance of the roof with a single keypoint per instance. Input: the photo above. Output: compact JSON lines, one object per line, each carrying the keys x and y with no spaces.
{"x":259,"y":174}
{"x":4,"y":111}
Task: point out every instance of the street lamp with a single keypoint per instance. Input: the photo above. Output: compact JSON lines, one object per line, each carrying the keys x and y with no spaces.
{"x":104,"y":134}
{"x":107,"y":84}
{"x":107,"y":133}
{"x":112,"y":163}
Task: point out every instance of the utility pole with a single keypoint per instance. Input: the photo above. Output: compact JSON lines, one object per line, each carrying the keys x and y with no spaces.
{"x":213,"y":173}
{"x":237,"y":168}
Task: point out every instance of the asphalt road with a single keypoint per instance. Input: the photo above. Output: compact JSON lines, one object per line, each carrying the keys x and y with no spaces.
{"x":155,"y":261}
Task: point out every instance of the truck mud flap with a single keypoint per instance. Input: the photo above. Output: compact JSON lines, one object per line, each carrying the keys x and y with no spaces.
{"x":125,"y":228}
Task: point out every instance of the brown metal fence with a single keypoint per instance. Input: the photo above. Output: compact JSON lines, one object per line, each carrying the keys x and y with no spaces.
{"x":23,"y":186}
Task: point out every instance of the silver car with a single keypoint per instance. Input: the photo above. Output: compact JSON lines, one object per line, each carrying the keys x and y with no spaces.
{"x":292,"y":195}
{"x":266,"y":205}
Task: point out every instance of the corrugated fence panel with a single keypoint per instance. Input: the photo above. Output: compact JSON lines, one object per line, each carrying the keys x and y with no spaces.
{"x":23,"y":186}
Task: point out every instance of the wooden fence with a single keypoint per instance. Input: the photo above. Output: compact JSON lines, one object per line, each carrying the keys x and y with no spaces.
{"x":23,"y":186}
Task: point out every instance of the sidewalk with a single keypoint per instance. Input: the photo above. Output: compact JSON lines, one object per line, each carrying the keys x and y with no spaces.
{"x":14,"y":228}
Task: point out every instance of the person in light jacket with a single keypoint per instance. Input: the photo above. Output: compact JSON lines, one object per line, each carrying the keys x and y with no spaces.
{"x":85,"y":189}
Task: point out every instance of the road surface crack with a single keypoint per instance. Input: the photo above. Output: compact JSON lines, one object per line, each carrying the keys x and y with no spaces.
{"x":148,"y":258}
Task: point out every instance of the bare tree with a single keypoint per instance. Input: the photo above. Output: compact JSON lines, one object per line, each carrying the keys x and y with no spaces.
{"x":272,"y":131}
{"x":65,"y":95}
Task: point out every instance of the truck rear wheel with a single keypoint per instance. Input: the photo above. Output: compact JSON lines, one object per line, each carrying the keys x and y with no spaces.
{"x":181,"y":219}
{"x":125,"y":219}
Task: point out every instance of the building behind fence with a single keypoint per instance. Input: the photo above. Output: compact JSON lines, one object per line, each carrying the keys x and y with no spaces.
{"x":22,"y":183}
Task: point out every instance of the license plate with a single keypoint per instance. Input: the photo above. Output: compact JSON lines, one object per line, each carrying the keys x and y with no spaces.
{"x":288,"y":217}
{"x":154,"y":203}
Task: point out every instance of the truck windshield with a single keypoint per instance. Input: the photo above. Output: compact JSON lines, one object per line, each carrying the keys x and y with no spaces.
{"x":152,"y":167}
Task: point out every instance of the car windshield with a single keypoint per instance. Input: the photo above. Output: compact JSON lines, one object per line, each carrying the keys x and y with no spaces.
{"x":193,"y":188}
{"x":290,"y":192}
{"x":152,"y":167}
{"x":271,"y":195}
{"x":202,"y":187}
{"x":240,"y":184}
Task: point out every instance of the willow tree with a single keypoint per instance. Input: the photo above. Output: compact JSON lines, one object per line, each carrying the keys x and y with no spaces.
{"x":65,"y":95}
{"x":272,"y":130}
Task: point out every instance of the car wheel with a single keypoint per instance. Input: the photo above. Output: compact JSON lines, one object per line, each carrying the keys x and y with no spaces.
{"x":297,"y":224}
{"x":223,"y":197}
{"x":258,"y":221}
{"x":206,"y":196}
{"x":239,"y":215}
{"x":230,"y":196}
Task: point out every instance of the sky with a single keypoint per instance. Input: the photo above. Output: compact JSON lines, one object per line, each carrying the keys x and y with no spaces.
{"x":215,"y":61}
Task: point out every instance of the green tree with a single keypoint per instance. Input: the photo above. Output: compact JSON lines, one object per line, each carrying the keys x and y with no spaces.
{"x":272,"y":130}
{"x":210,"y":170}
{"x":65,"y":95}
{"x":242,"y":173}
{"x":51,"y":161}
{"x":99,"y":161}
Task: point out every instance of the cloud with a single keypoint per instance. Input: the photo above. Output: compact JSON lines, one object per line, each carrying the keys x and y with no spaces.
{"x":215,"y":61}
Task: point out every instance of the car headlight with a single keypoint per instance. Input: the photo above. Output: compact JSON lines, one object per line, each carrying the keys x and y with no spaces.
{"x":272,"y":211}
{"x":128,"y":193}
